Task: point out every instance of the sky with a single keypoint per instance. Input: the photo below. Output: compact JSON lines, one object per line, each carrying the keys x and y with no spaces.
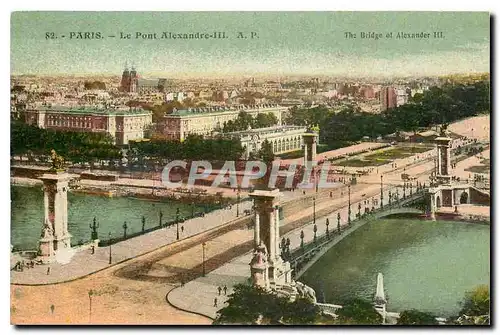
{"x":288,"y":43}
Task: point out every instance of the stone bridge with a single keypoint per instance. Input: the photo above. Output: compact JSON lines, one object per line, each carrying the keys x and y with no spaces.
{"x":305,"y":256}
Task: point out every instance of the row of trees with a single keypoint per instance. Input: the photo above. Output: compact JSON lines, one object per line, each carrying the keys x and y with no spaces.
{"x":94,"y":85}
{"x":245,"y":121}
{"x":77,"y":147}
{"x":253,"y":305}
{"x":438,"y":105}
{"x":194,"y":147}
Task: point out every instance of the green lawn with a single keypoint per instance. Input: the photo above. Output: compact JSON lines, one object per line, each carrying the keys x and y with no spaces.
{"x":399,"y":152}
{"x":363,"y":163}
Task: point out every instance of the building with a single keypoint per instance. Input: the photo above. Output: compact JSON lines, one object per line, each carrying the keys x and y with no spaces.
{"x":388,"y":98}
{"x":401,"y":97}
{"x":122,"y":124}
{"x":282,"y":138}
{"x":129,"y":80}
{"x":131,"y":83}
{"x":204,"y":121}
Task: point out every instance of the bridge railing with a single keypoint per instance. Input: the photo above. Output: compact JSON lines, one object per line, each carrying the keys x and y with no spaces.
{"x":305,"y":249}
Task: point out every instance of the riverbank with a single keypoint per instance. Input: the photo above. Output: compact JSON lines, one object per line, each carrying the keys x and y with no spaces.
{"x":144,"y":189}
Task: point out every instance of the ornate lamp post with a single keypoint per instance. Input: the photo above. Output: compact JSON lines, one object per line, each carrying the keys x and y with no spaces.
{"x":349,"y":207}
{"x":381,"y":192}
{"x":327,"y":224}
{"x":125,"y":229}
{"x":315,"y":229}
{"x":404,"y":190}
{"x":177,"y":214}
{"x":238,"y":196}
{"x":390,"y":197}
{"x":359,"y":210}
{"x":338,"y":222}
{"x":314,"y":210}
{"x":302,"y":239}
{"x":110,"y":259}
{"x":94,"y":226}
{"x":143,"y":223}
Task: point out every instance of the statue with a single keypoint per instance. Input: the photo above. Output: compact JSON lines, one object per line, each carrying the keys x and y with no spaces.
{"x":443,"y":131}
{"x":47,"y":231}
{"x":305,"y":292}
{"x":57,"y":161}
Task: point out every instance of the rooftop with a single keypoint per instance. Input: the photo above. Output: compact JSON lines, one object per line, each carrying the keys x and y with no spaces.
{"x":91,"y":110}
{"x":220,"y":109}
{"x":274,"y":129}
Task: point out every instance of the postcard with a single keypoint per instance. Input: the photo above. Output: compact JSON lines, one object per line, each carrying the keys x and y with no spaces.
{"x":250,"y":168}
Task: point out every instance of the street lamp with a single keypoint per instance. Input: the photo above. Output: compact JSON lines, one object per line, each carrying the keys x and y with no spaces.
{"x":327,"y":224}
{"x":314,"y":210}
{"x":177,"y":214}
{"x":381,"y":192}
{"x":203,"y":255}
{"x":338,"y":222}
{"x":349,"y":207}
{"x":90,"y":305}
{"x":125,"y":229}
{"x":302,"y":239}
{"x":238,"y":202}
{"x":110,"y":259}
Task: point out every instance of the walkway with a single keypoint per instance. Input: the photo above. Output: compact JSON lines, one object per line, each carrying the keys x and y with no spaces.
{"x":84,"y":263}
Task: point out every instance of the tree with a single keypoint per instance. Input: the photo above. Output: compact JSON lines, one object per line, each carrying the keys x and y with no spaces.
{"x":415,"y":317}
{"x":266,"y":152}
{"x":476,"y":302}
{"x":360,"y":312}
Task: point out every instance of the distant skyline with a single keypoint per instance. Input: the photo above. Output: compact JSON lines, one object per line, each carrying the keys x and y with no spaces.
{"x":288,"y":43}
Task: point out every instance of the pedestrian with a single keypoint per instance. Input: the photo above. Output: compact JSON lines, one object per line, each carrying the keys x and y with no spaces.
{"x":48,"y":270}
{"x":219,"y":289}
{"x":182,"y":229}
{"x":215,"y":302}
{"x":52,"y":307}
{"x":225,"y":290}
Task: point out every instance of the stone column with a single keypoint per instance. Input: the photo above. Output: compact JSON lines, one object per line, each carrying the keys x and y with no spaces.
{"x":55,"y":237}
{"x":277,"y":234}
{"x":272,"y":236}
{"x":256,"y":231}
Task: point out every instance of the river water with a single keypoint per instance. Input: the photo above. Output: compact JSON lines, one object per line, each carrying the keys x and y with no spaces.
{"x":27,"y":215}
{"x":426,"y":265}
